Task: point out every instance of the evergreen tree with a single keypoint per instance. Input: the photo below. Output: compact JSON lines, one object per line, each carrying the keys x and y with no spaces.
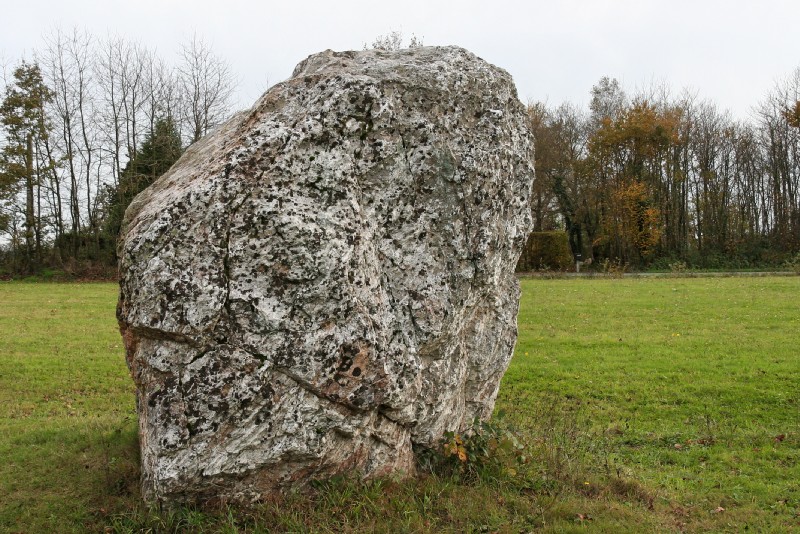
{"x":25,"y":127}
{"x":160,"y":150}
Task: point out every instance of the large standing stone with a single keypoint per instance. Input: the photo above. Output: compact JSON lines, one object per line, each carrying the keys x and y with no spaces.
{"x":328,"y":279}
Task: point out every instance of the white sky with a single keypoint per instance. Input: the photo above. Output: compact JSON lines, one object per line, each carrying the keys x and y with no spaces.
{"x":730,"y":52}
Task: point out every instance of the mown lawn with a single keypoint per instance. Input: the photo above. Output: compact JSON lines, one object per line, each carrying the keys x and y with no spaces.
{"x":643,"y":405}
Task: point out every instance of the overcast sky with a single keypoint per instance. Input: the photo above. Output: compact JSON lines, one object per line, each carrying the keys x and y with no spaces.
{"x":731,"y":52}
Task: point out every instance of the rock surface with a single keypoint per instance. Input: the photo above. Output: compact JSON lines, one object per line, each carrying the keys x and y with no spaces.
{"x":328,"y":278}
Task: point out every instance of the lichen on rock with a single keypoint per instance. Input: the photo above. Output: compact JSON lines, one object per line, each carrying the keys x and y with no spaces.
{"x":328,"y":278}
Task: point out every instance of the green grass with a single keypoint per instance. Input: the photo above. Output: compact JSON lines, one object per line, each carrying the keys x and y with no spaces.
{"x":688,"y":385}
{"x":67,"y":421}
{"x":644,"y":405}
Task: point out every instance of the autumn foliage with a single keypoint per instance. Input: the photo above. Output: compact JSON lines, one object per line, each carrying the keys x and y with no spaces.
{"x":661,"y":179}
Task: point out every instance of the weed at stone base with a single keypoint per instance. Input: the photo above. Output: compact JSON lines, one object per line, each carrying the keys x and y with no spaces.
{"x":488,"y":451}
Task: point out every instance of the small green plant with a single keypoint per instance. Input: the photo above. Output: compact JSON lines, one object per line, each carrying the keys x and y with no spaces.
{"x":793,"y":264}
{"x":488,"y":449}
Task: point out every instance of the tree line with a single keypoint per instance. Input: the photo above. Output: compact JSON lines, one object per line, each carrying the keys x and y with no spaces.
{"x":647,"y":179}
{"x":85,"y":124}
{"x":655,"y":179}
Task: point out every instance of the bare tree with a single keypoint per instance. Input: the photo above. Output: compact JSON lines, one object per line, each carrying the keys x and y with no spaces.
{"x":131,"y":95}
{"x":134,"y":90}
{"x":60,"y":72}
{"x":5,"y":209}
{"x":161,"y":94}
{"x":206,"y":86}
{"x":608,"y":102}
{"x":79,"y":50}
{"x":110,"y":65}
{"x":4,"y":63}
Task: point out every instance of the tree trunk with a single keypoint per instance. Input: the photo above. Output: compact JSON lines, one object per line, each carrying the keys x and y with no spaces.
{"x":30,"y":219}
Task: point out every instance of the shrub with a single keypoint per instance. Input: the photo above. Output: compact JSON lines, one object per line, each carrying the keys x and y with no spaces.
{"x":678,"y":266}
{"x":546,"y":251}
{"x":488,"y":450}
{"x":793,"y":264}
{"x":669,"y":263}
{"x":616,"y":268}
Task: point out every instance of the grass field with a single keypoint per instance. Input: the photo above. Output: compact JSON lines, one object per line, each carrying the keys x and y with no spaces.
{"x":644,"y":405}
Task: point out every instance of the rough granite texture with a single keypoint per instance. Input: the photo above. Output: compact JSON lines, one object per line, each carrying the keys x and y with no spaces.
{"x":328,"y":279}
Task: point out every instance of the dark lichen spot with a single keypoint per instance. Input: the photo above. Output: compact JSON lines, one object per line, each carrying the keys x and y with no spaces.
{"x":357,"y":371}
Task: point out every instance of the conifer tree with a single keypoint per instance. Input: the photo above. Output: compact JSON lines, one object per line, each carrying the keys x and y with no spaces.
{"x":25,"y":128}
{"x":158,"y":152}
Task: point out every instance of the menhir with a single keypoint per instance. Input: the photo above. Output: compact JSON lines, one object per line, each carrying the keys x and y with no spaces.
{"x":328,"y":280}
